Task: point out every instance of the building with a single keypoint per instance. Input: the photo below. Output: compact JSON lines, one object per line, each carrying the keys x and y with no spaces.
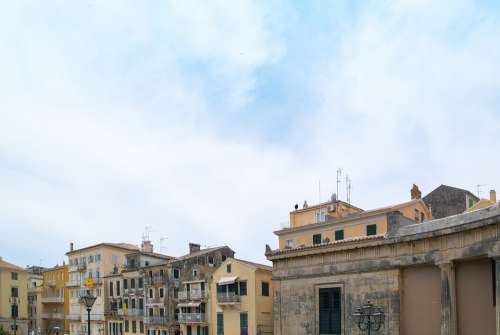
{"x":126,"y":312}
{"x":13,"y":298}
{"x":437,"y":277}
{"x":96,"y":262}
{"x":447,"y":200}
{"x":483,"y":203}
{"x":348,"y":223}
{"x":55,"y":301}
{"x":35,"y":282}
{"x":191,"y":282}
{"x":241,"y":298}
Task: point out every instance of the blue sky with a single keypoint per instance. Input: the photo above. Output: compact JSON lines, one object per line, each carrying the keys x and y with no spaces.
{"x":208,"y":121}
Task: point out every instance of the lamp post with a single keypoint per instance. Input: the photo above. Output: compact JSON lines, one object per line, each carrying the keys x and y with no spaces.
{"x":88,"y":300}
{"x":14,"y":304}
{"x":369,"y":317}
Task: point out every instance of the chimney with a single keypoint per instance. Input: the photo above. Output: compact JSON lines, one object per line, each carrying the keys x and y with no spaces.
{"x":71,"y":246}
{"x":493,"y":195}
{"x":147,"y":246}
{"x":193,"y":247}
{"x":415,"y":193}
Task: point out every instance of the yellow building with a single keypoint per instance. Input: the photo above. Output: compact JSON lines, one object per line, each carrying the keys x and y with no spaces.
{"x":339,"y":221}
{"x":241,"y":299}
{"x":483,"y":203}
{"x":35,"y":284}
{"x":13,"y":289}
{"x":96,"y":262}
{"x":55,"y":301}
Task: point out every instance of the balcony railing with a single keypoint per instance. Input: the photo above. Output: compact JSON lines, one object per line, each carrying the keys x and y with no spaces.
{"x":191,"y":317}
{"x":81,"y":267}
{"x":228,"y":298}
{"x":52,"y":299}
{"x":73,"y":283}
{"x":133,"y":291}
{"x":59,"y":316}
{"x":155,"y":300}
{"x":134,"y":312}
{"x":191,"y":295}
{"x":155,"y":280}
{"x":156,"y":320}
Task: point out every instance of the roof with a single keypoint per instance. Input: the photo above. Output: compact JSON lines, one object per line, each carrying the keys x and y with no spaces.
{"x":7,"y":265}
{"x":324,"y":204}
{"x":201,"y":253}
{"x":256,"y":265}
{"x":123,"y":246}
{"x":152,"y":254}
{"x":353,"y":216}
{"x":452,"y":188}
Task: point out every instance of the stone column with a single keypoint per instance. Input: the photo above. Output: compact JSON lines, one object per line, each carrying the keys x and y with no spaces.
{"x":448,"y":299}
{"x":497,"y":292}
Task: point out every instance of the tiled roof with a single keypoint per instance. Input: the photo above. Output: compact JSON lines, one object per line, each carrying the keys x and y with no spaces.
{"x":125,"y":246}
{"x":256,"y":265}
{"x":7,"y":265}
{"x":200,"y":253}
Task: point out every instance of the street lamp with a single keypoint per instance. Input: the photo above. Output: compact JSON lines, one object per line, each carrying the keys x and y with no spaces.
{"x":88,"y":300}
{"x":14,"y":304}
{"x":369,"y":317}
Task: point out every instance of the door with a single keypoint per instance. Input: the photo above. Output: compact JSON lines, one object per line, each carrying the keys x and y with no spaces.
{"x":330,"y":311}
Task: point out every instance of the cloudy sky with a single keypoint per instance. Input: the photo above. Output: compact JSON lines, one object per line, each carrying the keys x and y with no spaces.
{"x":208,"y":120}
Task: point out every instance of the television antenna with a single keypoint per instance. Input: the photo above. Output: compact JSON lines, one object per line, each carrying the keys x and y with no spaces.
{"x":145,"y":234}
{"x":479,"y":187}
{"x":339,"y":175}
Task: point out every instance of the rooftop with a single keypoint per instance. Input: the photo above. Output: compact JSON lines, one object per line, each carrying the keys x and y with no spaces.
{"x":123,"y":246}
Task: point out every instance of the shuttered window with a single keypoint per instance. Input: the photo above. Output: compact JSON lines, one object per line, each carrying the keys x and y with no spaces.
{"x":220,"y":323}
{"x":339,"y":235}
{"x":243,"y":323}
{"x":330,"y":311}
{"x":317,"y":239}
{"x":371,"y":229}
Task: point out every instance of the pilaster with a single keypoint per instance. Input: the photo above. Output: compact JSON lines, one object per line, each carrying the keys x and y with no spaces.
{"x":448,"y":299}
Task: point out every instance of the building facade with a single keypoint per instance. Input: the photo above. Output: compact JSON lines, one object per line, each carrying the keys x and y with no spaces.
{"x":241,"y":299}
{"x":437,"y":277}
{"x":55,"y":301}
{"x":35,"y":283}
{"x":447,"y":200}
{"x":13,"y":298}
{"x":94,"y":262}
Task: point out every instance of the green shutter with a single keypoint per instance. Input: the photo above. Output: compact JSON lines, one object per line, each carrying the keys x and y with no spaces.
{"x":371,"y":229}
{"x":339,"y":235}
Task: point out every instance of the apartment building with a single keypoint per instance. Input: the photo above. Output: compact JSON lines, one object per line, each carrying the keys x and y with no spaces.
{"x":35,"y":282}
{"x":126,"y":292}
{"x":340,"y":222}
{"x":191,"y":276}
{"x":13,"y":298}
{"x":96,"y":262}
{"x":241,"y":299}
{"x":55,"y":301}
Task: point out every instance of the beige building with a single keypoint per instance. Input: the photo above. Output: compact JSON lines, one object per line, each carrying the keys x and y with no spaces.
{"x":35,"y":283}
{"x":55,"y":301}
{"x":96,"y":262}
{"x":241,"y":299}
{"x":13,"y":289}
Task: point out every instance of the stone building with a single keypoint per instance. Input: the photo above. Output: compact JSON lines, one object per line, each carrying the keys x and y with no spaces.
{"x":437,"y":277}
{"x":447,"y":200}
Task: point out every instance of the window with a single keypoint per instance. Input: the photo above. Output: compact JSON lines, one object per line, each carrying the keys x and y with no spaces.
{"x":141,"y":327}
{"x":243,"y":288}
{"x":422,"y":217}
{"x":289,"y":243}
{"x":330,"y":311}
{"x":13,"y":275}
{"x":228,"y":268}
{"x":132,"y":282}
{"x":126,"y":326}
{"x":210,"y":260}
{"x":189,"y":332}
{"x":125,"y":284}
{"x":125,"y":301}
{"x":132,"y":301}
{"x":118,"y":288}
{"x":265,"y":289}
{"x":141,"y":303}
{"x":162,"y":311}
{"x":14,"y":292}
{"x":91,"y":259}
{"x":417,"y":215}
{"x":220,"y":323}
{"x":150,"y":293}
{"x":114,"y":259}
{"x":316,"y":239}
{"x":150,"y":312}
{"x":161,"y":292}
{"x":339,"y":235}
{"x":98,"y":258}
{"x":320,"y":216}
{"x":176,"y":273}
{"x":111,"y":289}
{"x":134,"y":326}
{"x":224,"y":257}
{"x":243,"y":323}
{"x":371,"y":229}
{"x":195,"y":273}
{"x":141,"y":283}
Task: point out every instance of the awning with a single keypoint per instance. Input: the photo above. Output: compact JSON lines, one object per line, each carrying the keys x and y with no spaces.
{"x":189,"y":304}
{"x":227,"y":280}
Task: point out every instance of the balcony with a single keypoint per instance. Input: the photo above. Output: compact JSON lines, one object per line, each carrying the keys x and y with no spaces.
{"x":73,"y":283}
{"x":73,"y":317}
{"x":59,"y":316}
{"x":155,"y":300}
{"x":81,"y":267}
{"x":228,"y":298}
{"x":133,"y":291}
{"x":155,"y":280}
{"x":191,"y":317}
{"x":156,"y":320}
{"x":51,"y":283}
{"x":52,"y":300}
{"x":134,"y":312}
{"x":191,"y":295}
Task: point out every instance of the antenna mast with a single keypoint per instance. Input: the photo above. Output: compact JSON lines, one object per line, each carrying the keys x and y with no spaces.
{"x":348,"y":188}
{"x":145,"y":234}
{"x":339,"y":174}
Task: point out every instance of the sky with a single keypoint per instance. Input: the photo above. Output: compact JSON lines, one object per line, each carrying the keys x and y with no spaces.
{"x":207,"y":121}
